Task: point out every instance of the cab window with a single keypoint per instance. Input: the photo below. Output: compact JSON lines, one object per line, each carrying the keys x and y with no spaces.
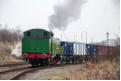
{"x":45,"y":34}
{"x":28,"y":34}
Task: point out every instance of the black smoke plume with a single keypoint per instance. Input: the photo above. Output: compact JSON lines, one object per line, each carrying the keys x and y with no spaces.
{"x":65,"y":13}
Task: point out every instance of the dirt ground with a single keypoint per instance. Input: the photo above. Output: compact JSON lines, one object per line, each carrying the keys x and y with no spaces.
{"x":46,"y":74}
{"x":102,"y":70}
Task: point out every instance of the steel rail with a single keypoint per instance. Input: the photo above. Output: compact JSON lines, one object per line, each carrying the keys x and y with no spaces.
{"x":2,"y":64}
{"x":15,"y":77}
{"x":15,"y":69}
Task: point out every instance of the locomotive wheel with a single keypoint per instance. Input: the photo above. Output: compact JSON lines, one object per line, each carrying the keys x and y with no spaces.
{"x":46,"y":62}
{"x":37,"y":64}
{"x":33,"y":64}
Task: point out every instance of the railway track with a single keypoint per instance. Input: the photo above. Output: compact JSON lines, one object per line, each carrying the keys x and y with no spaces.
{"x":5,"y":64}
{"x":19,"y":72}
{"x":6,"y":74}
{"x":15,"y":77}
{"x":14,"y":74}
{"x":15,"y":69}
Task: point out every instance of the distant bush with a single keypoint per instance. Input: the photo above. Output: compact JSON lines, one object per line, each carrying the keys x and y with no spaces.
{"x":9,"y":35}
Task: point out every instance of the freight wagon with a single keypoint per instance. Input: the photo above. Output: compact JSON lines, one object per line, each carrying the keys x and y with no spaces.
{"x":67,"y":48}
{"x":102,"y":50}
{"x":91,"y":49}
{"x":79,"y":51}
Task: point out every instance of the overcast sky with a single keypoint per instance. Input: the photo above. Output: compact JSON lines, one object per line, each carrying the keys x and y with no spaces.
{"x":96,"y":18}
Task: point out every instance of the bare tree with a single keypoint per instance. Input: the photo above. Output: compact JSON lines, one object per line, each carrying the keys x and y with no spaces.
{"x":9,"y":35}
